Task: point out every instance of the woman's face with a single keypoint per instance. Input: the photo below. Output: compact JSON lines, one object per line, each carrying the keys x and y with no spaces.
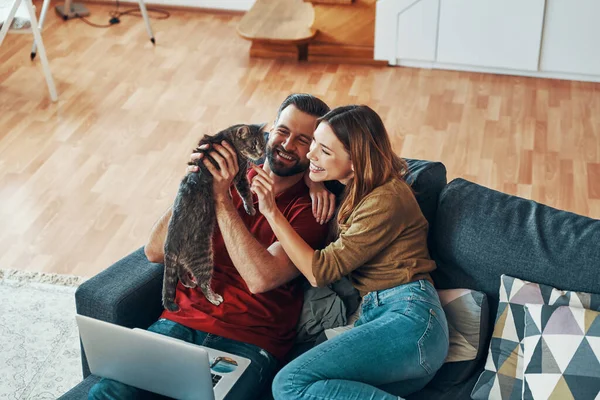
{"x":328,"y":158}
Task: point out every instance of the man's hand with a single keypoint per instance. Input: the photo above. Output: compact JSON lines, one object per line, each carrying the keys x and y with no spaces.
{"x":226,"y":158}
{"x":323,"y":201}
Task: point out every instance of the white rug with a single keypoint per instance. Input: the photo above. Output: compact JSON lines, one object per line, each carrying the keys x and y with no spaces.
{"x":39,"y":342}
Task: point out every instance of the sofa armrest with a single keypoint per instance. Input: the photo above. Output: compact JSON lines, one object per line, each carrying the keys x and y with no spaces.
{"x":128,"y":293}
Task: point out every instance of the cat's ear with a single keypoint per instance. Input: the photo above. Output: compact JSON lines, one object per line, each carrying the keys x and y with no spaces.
{"x":243,"y":132}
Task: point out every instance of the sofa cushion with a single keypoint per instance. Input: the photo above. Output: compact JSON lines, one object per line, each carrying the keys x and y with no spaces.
{"x":561,"y":349}
{"x":503,"y":375}
{"x":479,"y":234}
{"x":467,"y":314}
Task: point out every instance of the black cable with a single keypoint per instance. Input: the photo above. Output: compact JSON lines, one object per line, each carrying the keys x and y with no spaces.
{"x":90,"y":23}
{"x":134,"y":12}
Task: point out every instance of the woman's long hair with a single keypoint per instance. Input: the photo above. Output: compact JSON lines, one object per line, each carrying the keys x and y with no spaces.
{"x":365,"y":138}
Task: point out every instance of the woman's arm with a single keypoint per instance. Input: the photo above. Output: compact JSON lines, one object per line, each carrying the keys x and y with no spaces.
{"x":299,"y":252}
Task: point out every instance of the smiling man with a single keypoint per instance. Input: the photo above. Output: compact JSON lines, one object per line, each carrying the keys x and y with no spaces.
{"x":262,"y":298}
{"x":286,"y":155}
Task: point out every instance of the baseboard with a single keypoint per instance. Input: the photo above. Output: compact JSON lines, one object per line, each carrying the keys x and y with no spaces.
{"x":499,"y":71}
{"x":223,"y":5}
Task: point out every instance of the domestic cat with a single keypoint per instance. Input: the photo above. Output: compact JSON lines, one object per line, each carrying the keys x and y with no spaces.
{"x":188,"y":246}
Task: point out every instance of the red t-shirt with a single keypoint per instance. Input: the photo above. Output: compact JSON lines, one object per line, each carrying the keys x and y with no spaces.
{"x":267,"y":320}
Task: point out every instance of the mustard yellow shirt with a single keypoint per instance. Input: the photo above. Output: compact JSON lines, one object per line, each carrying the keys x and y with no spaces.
{"x":382,"y":245}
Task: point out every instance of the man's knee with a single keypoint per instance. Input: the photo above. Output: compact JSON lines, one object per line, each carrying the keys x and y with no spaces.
{"x":107,"y":389}
{"x":97,"y":392}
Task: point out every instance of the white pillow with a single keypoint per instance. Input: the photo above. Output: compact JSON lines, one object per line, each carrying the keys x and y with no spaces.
{"x":21,"y":20}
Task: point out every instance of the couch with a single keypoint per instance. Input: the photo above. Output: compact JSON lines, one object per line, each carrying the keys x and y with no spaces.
{"x":476,"y":235}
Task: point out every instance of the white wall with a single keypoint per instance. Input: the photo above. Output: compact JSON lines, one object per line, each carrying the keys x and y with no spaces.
{"x":235,"y":5}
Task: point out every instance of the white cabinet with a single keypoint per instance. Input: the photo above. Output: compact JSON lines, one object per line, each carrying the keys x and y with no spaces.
{"x":491,"y":33}
{"x":417,"y":31}
{"x":406,"y":30}
{"x":572,"y":37}
{"x":543,"y":38}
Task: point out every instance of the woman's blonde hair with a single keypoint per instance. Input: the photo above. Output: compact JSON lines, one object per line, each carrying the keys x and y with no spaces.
{"x":365,"y":138}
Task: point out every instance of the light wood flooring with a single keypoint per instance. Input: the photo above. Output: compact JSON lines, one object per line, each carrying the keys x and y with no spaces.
{"x":82,"y":181}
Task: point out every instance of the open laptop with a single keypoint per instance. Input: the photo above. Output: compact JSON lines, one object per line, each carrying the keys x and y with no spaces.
{"x":158,"y":363}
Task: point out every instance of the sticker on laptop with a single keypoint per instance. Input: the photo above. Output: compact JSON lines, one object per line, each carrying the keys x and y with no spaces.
{"x":223,"y":365}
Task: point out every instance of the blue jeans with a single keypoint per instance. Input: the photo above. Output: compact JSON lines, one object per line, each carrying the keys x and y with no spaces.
{"x":255,"y":378}
{"x":396,"y":346}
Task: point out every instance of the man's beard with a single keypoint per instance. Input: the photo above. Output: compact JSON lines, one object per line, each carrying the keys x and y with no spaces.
{"x":280,"y":169}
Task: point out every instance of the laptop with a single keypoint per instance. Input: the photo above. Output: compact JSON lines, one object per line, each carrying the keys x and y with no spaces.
{"x":158,"y":363}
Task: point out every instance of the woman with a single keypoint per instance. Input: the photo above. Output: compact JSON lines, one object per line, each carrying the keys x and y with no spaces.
{"x":401,"y":337}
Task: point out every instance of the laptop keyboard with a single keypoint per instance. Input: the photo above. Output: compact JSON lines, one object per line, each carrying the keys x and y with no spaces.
{"x":215,"y":379}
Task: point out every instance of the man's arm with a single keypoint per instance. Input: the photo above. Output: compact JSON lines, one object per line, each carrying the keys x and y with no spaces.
{"x":155,"y":248}
{"x":262,"y":269}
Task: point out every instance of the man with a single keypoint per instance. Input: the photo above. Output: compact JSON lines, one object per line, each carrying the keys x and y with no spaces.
{"x":262,"y":298}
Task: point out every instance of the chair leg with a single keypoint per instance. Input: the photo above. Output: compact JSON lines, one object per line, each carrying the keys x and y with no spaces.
{"x":45,"y":7}
{"x":38,"y":40}
{"x":147,"y":21}
{"x":7,"y":24}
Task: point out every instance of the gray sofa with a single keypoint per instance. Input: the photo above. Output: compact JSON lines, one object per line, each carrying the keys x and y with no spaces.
{"x":476,"y":235}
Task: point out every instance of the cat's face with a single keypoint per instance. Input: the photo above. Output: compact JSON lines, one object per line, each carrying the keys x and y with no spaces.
{"x":250,"y":141}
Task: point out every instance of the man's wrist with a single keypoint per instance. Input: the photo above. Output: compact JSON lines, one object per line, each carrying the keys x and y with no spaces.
{"x":222,"y":201}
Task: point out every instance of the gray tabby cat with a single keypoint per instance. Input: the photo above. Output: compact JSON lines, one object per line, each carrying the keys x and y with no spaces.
{"x":188,"y":246}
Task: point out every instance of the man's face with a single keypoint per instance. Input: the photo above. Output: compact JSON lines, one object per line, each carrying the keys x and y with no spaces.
{"x":289,"y":142}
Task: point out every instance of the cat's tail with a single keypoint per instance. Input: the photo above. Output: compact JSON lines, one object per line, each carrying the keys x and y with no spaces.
{"x":170,"y":280}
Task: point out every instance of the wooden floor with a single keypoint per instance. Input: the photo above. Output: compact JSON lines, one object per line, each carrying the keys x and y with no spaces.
{"x":82,"y":181}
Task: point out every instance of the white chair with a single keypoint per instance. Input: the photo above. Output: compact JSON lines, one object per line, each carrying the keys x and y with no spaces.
{"x":7,"y":26}
{"x":70,"y":10}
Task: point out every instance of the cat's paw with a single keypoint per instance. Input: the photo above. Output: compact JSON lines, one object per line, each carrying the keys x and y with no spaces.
{"x":188,"y":280}
{"x":216,"y":299}
{"x":171,"y":306}
{"x":250,"y":209}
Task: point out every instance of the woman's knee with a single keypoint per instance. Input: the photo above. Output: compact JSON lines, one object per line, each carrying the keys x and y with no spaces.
{"x":288,"y":383}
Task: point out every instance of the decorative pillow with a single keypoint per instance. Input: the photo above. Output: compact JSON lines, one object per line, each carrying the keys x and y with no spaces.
{"x":467,"y":314}
{"x":503,"y":374}
{"x":561,"y":350}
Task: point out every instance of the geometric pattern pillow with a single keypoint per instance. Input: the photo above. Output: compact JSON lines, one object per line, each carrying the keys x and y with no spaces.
{"x":561,"y":352}
{"x":467,"y":313}
{"x":503,"y":374}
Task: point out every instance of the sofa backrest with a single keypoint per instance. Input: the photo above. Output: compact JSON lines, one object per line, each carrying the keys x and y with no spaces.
{"x":427,"y":179}
{"x":480,"y":234}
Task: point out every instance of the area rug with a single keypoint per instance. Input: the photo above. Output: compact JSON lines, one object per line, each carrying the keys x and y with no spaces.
{"x":40,"y":356}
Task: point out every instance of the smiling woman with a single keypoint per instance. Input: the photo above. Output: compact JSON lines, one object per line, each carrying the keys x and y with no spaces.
{"x":329,"y":160}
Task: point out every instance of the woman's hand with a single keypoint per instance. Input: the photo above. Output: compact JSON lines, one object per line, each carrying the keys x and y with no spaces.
{"x":323,"y":201}
{"x":262,"y":185}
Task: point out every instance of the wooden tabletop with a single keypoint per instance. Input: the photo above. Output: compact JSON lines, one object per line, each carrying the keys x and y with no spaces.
{"x":278,"y":21}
